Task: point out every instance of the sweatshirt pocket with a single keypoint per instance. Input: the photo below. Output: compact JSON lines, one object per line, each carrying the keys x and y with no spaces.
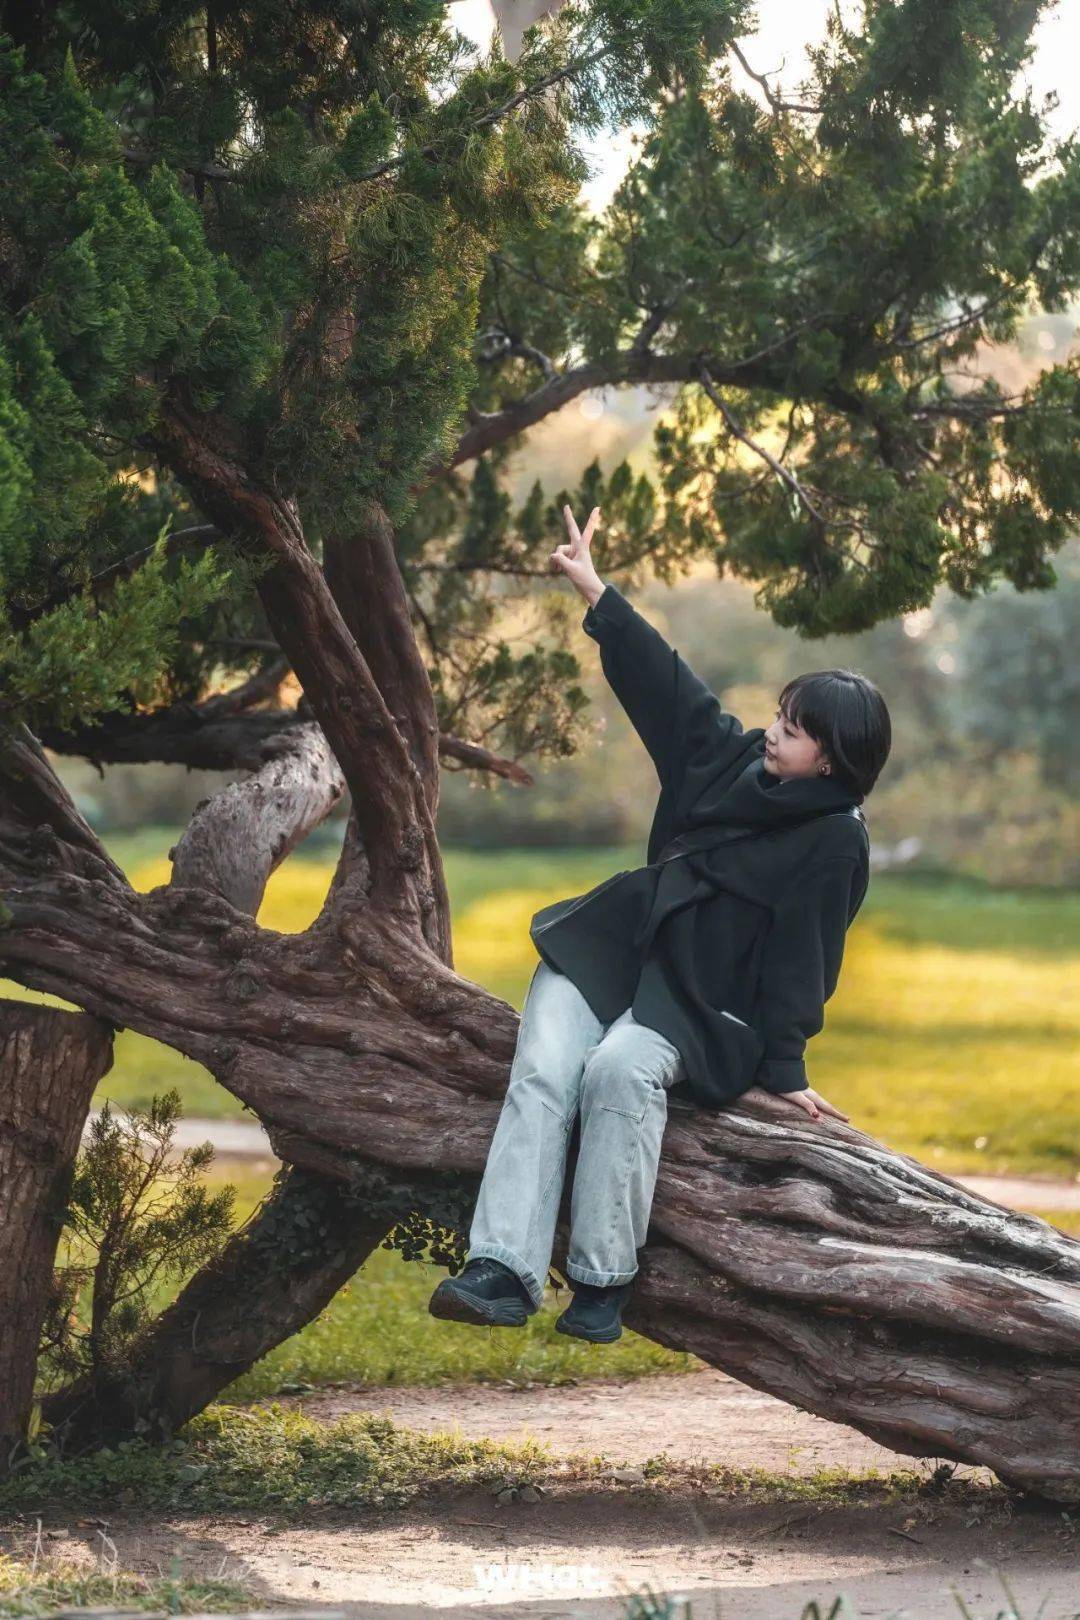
{"x":741,"y":1049}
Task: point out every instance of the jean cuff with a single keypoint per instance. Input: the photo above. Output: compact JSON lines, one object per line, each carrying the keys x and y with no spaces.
{"x":498,"y":1251}
{"x":599,"y":1279}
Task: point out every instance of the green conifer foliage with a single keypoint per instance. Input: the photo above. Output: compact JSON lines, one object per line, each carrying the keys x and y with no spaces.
{"x":346,"y":250}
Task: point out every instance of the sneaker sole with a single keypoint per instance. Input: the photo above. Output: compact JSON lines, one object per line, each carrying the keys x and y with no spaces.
{"x":454,"y":1305}
{"x":593,"y":1338}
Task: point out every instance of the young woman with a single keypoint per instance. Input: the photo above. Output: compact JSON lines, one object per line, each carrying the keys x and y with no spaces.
{"x":707,"y":969}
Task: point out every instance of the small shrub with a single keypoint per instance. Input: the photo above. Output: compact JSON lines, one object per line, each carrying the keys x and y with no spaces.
{"x":139,"y":1217}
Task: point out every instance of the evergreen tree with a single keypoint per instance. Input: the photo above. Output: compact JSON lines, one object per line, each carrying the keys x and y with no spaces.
{"x":282,"y":288}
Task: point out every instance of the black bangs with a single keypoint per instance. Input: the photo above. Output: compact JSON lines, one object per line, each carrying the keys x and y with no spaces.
{"x":847,"y":716}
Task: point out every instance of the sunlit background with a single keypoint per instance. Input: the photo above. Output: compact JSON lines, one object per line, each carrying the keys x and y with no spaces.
{"x":785,"y":28}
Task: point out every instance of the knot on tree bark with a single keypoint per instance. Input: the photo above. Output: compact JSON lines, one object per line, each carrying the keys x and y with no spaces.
{"x":225,"y":1056}
{"x":411,"y":848}
{"x":235,"y":939}
{"x":242,"y":985}
{"x":44,"y":844}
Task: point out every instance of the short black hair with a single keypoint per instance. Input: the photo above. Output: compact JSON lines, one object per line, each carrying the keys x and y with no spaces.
{"x":847,"y":716}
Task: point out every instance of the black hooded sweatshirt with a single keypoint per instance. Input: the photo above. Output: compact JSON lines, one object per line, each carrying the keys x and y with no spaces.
{"x":729,"y":941}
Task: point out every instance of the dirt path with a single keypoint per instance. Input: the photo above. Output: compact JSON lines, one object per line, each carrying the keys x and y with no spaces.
{"x":244,"y":1139}
{"x":694,"y":1417}
{"x":581,"y":1550}
{"x":582,"y":1553}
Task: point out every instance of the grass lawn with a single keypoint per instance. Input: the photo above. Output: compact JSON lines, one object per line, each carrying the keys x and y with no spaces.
{"x":954,"y":1034}
{"x":290,"y":1467}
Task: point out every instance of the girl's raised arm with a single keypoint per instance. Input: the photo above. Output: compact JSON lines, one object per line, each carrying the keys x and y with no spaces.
{"x":673,"y":712}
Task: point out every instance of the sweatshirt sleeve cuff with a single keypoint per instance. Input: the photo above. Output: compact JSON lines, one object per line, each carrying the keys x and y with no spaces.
{"x":610,"y":608}
{"x":782,"y":1074}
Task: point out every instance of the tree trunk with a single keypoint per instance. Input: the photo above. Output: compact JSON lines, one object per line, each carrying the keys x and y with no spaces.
{"x":313,"y":1233}
{"x":802,"y":1257}
{"x":50,"y":1062}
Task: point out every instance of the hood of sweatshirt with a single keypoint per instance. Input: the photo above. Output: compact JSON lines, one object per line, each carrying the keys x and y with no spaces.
{"x":754,"y":800}
{"x":759,"y":798}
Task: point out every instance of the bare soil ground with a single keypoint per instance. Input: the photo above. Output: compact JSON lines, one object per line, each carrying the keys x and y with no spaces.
{"x":583,"y":1549}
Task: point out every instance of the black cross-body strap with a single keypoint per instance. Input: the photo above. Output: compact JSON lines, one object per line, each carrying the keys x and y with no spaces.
{"x":710,"y":837}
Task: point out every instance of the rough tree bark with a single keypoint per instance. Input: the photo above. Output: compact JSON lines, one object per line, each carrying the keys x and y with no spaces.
{"x":311,"y":1234}
{"x":50,"y":1062}
{"x":804,"y":1258}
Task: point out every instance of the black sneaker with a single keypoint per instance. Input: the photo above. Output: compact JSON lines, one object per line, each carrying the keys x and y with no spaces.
{"x":595,"y":1313}
{"x":485,"y":1292}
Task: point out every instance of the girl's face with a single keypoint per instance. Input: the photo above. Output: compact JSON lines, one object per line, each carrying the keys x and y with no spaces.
{"x":790,"y":751}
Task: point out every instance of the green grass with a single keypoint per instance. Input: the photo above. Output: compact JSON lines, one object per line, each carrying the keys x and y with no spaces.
{"x":279,"y":1462}
{"x":36,"y":1585}
{"x":267,"y":1458}
{"x":954,"y":1034}
{"x":378,"y":1331}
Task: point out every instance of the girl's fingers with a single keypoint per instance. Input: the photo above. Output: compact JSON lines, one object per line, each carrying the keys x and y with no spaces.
{"x":586,"y":537}
{"x":826,"y":1106}
{"x":572,"y":530}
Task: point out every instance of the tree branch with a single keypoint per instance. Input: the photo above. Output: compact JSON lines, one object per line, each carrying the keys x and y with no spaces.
{"x":31,"y":791}
{"x":362,"y":571}
{"x":236,"y":838}
{"x":198,"y":535}
{"x":217,"y":735}
{"x":312,"y":632}
{"x":777,"y":103}
{"x":202,"y":171}
{"x":495,"y":115}
{"x":628,"y":368}
{"x":482,"y":759}
{"x":766,"y":455}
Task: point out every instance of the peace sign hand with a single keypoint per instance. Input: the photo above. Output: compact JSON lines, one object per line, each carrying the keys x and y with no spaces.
{"x":574,"y":559}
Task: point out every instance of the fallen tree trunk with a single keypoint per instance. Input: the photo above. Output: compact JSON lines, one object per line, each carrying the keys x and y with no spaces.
{"x":804,"y":1258}
{"x":50,"y":1062}
{"x":814,"y":1263}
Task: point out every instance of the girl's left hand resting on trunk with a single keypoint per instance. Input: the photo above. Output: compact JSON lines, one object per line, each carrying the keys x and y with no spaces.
{"x":809,"y":1100}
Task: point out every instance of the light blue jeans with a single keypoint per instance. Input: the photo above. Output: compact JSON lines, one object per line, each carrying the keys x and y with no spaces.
{"x":617,"y":1077}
